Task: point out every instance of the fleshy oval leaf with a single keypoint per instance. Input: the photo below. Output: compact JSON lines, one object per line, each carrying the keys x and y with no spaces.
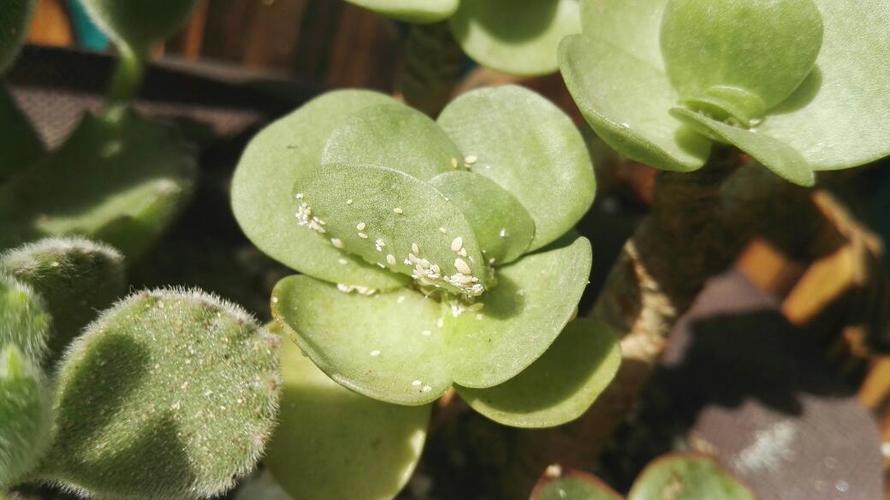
{"x":739,"y":59}
{"x":14,"y":18}
{"x":263,"y":198}
{"x":560,"y":385}
{"x":573,"y":485}
{"x":387,"y":346}
{"x":626,"y":100}
{"x":335,"y":444}
{"x":25,"y":415}
{"x":515,"y":37}
{"x":535,"y":298}
{"x":24,"y":318}
{"x":395,"y":221}
{"x":412,"y":11}
{"x":840,"y":116}
{"x":170,"y":394}
{"x":394,"y":136}
{"x":121,"y":180}
{"x":139,"y":23}
{"x":501,"y":224}
{"x":687,"y":476}
{"x":76,"y":278}
{"x":529,"y":147}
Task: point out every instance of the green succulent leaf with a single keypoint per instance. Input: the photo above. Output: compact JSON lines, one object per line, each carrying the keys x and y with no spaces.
{"x":626,"y":100}
{"x":14,"y":18}
{"x":263,"y":197}
{"x":840,"y":116}
{"x":412,"y":11}
{"x":24,"y":320}
{"x":394,"y":136}
{"x":139,"y":23}
{"x":736,"y":58}
{"x":687,"y":477}
{"x":573,"y":485}
{"x":170,"y":394}
{"x":19,"y":141}
{"x":386,"y":346}
{"x":392,"y":219}
{"x":120,"y":180}
{"x":775,"y":155}
{"x":405,"y":348}
{"x":516,"y":37}
{"x":529,"y":147}
{"x":560,"y":385}
{"x":76,"y":277}
{"x":632,"y":25}
{"x":501,"y":224}
{"x":334,"y":444}
{"x":25,"y":415}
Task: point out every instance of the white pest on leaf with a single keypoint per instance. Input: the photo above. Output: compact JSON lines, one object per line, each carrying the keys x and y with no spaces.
{"x":391,"y":259}
{"x":415,"y":248}
{"x":337,"y":242}
{"x":417,"y":383}
{"x":398,"y":210}
{"x":462,"y":266}
{"x":375,"y":353}
{"x":503,"y":233}
{"x":471,"y":159}
{"x":363,"y":236}
{"x":457,"y":244}
{"x":361,"y":226}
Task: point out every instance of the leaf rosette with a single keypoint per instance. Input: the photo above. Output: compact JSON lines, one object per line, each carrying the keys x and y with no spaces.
{"x":793,"y":83}
{"x":433,"y":253}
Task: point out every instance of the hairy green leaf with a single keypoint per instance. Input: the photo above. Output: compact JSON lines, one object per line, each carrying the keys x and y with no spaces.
{"x":529,"y":147}
{"x":19,"y":141}
{"x":412,"y":11}
{"x":170,"y":394}
{"x":573,"y":485}
{"x":394,"y":136}
{"x":560,"y":385}
{"x":770,"y":152}
{"x":395,"y":221}
{"x":14,"y":18}
{"x":501,"y":224}
{"x":840,"y":116}
{"x":25,"y":415}
{"x":263,"y":197}
{"x":687,"y":477}
{"x":517,"y":37}
{"x":139,"y":23}
{"x":76,"y":277}
{"x":24,"y":320}
{"x":120,"y":180}
{"x":738,"y":59}
{"x":334,"y":444}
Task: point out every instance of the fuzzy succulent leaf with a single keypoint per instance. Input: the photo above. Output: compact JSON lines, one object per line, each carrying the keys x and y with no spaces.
{"x":502,"y":226}
{"x":560,"y":385}
{"x":394,"y":136}
{"x":840,"y":116}
{"x":24,"y":318}
{"x":169,"y":394}
{"x":687,"y":477}
{"x":391,"y":216}
{"x":20,"y":143}
{"x":263,"y":197}
{"x":775,"y":155}
{"x":14,"y":18}
{"x":334,"y":444}
{"x":119,"y":180}
{"x":139,"y":23}
{"x":412,"y":11}
{"x":405,"y":348}
{"x":715,"y":72}
{"x":529,"y":147}
{"x":516,"y":37}
{"x":573,"y":485}
{"x":76,"y":277}
{"x":25,"y":415}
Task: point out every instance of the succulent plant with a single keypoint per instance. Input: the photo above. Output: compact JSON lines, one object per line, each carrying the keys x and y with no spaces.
{"x":139,"y":23}
{"x":514,"y":36}
{"x":793,"y":83}
{"x":434,"y":253}
{"x":24,"y":319}
{"x":169,"y":394}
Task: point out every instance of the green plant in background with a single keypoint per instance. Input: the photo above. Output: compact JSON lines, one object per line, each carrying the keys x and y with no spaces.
{"x":795,"y":84}
{"x":678,"y":476}
{"x":433,"y":253}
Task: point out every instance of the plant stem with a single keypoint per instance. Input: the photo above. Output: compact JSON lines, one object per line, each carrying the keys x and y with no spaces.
{"x":431,"y":67}
{"x":127,"y":79}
